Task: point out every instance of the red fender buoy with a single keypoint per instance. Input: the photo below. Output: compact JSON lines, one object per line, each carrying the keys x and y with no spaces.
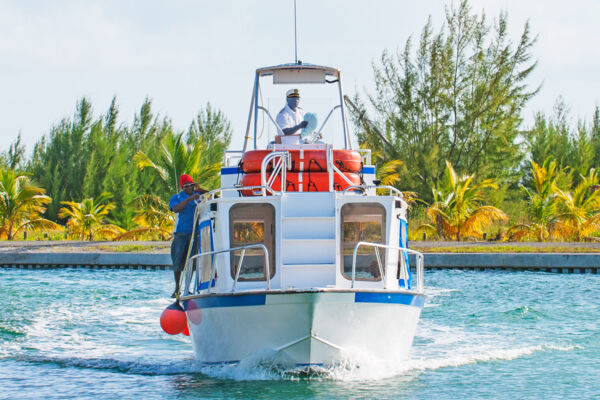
{"x":173,"y":319}
{"x":186,"y":331}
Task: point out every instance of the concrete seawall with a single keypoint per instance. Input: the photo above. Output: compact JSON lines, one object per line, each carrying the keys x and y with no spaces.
{"x":548,"y":262}
{"x":85,"y":260}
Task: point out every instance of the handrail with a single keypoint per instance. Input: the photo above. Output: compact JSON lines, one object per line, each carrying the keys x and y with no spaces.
{"x":420,"y":263}
{"x":364,"y":188}
{"x":210,"y":196}
{"x":213,"y":270}
{"x":229,"y":154}
{"x":280,"y":166}
{"x":327,"y":118}
{"x":366,"y":156}
{"x":271,"y":118}
{"x":331,"y":168}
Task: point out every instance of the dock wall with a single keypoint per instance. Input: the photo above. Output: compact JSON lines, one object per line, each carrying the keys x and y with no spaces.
{"x":85,"y":260}
{"x":548,"y":262}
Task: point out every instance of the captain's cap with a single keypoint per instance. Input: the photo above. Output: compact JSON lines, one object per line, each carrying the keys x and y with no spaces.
{"x":292,"y":93}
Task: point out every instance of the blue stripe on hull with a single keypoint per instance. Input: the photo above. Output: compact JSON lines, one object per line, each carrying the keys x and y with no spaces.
{"x":204,"y":285}
{"x":260,"y":299}
{"x":230,"y":301}
{"x":392,"y":298}
{"x":230,"y":171}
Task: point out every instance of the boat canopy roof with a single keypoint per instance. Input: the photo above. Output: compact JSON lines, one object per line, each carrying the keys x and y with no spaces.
{"x":298,"y":73}
{"x":295,"y":73}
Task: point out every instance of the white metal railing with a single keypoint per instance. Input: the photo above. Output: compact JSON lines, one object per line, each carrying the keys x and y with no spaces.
{"x":279,"y":130}
{"x":213,"y":270}
{"x":282,"y":160}
{"x":366,"y":156}
{"x":319,"y":131}
{"x":213,"y":194}
{"x":363,"y":188}
{"x":231,"y":154}
{"x":420,"y":267}
{"x":332,"y":169}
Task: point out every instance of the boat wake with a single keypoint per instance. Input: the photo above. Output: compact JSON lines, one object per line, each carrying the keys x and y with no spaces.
{"x":268,"y":365}
{"x":436,"y":346}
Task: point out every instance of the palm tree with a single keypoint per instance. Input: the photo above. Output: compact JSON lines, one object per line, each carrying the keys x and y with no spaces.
{"x":458,"y":210}
{"x":87,"y":219}
{"x":177,"y":158}
{"x":21,"y":205}
{"x":579,"y":210}
{"x":390,"y":172}
{"x":542,"y":202}
{"x":153,"y":218}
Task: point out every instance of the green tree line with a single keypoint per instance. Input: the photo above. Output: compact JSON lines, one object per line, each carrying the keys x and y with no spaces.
{"x":445,"y":124}
{"x":122,"y":167}
{"x":455,"y":99}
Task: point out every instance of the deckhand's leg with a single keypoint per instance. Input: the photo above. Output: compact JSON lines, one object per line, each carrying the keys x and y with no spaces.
{"x":177,"y":275}
{"x":179,"y":248}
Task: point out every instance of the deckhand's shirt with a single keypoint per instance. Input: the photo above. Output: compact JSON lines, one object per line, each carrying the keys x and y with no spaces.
{"x":288,"y":118}
{"x":184,"y":222}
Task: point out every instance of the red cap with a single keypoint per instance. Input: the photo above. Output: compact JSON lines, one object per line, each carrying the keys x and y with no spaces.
{"x":183,"y":179}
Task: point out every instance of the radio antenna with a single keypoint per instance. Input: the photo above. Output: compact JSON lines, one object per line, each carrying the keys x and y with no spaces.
{"x":295,"y":35}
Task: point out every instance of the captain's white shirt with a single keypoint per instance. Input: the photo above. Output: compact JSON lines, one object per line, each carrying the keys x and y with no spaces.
{"x":288,"y":118}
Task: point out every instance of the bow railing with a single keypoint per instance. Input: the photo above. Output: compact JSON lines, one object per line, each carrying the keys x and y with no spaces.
{"x":420,"y":266}
{"x":199,"y":270}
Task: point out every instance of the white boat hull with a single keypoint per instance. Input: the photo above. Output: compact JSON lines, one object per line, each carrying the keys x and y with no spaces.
{"x":303,"y":328}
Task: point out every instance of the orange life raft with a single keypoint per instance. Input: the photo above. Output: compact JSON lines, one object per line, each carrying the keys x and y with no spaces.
{"x":302,"y":181}
{"x":306,"y":160}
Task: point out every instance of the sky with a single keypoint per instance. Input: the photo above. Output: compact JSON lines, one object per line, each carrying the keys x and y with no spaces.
{"x":185,"y":53}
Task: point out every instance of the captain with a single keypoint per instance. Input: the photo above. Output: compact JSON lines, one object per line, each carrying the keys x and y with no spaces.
{"x":291,"y":117}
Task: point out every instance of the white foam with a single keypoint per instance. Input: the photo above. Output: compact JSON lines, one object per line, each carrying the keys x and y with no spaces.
{"x":60,"y":334}
{"x":268,"y":365}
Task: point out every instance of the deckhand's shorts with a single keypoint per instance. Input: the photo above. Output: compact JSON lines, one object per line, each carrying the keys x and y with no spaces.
{"x":179,"y":249}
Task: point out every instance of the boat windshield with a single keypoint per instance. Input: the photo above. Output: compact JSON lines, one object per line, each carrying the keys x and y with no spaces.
{"x":319,"y":101}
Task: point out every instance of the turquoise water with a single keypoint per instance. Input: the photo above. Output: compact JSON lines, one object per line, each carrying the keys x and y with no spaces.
{"x":502,"y":335}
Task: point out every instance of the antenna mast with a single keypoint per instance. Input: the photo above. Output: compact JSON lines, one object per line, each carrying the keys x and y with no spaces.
{"x":295,"y":35}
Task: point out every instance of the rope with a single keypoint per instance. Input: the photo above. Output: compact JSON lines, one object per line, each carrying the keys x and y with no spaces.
{"x":187,"y":257}
{"x":342,"y":166}
{"x":361,"y":174}
{"x":318,"y":165}
{"x":262,"y":130}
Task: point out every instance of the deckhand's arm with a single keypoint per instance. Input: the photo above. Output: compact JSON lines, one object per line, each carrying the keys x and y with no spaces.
{"x":180,"y":206}
{"x":198,"y":189}
{"x":194,"y":196}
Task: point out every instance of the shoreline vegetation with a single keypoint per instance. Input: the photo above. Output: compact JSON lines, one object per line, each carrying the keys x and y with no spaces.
{"x":445,"y":127}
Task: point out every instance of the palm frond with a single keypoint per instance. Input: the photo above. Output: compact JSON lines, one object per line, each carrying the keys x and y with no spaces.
{"x":481,"y":218}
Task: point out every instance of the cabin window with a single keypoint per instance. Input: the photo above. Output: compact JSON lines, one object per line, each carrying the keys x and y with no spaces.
{"x":363,"y":222}
{"x":251,"y":224}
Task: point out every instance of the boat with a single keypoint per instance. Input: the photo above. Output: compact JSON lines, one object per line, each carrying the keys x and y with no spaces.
{"x":309,"y":274}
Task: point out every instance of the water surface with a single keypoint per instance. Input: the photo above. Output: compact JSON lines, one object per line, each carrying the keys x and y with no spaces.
{"x":95,"y":334}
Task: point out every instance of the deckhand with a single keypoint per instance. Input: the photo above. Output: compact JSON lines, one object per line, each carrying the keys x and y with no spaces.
{"x":184,"y":204}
